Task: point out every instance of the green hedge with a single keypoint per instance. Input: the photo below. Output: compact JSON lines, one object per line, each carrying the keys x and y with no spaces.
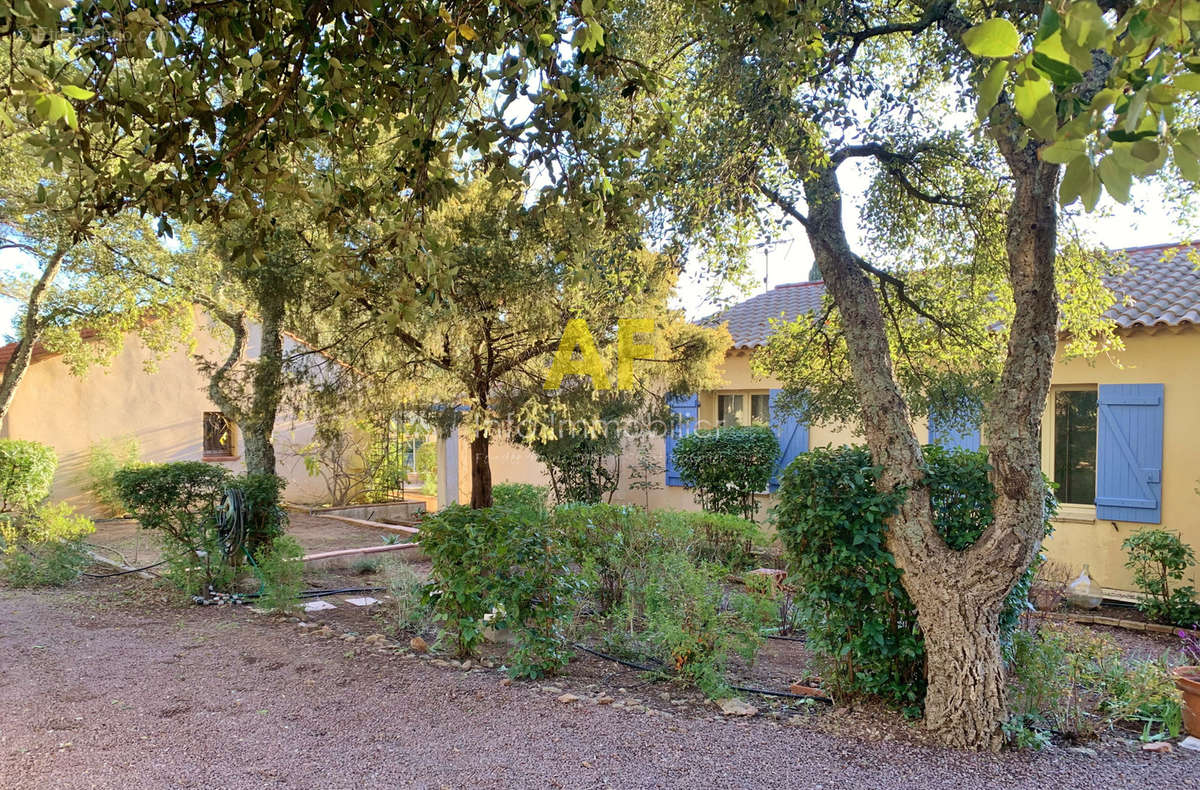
{"x":727,"y":467}
{"x":857,"y":616}
{"x":26,"y":473}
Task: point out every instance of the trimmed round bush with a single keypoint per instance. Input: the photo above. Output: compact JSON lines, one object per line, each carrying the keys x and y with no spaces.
{"x":728,"y":466}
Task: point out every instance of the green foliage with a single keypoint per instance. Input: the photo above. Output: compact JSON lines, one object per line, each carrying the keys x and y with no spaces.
{"x":178,"y":500}
{"x":26,"y":473}
{"x":857,"y":616}
{"x":728,"y":466}
{"x":528,"y":499}
{"x":722,"y":538}
{"x":578,"y":467}
{"x":282,"y":573}
{"x":686,"y":625}
{"x":265,"y":516}
{"x":44,"y":548}
{"x":498,"y":567}
{"x":1076,"y":682}
{"x":104,"y":459}
{"x":1159,"y":559}
{"x":407,"y":590}
{"x":426,"y":462}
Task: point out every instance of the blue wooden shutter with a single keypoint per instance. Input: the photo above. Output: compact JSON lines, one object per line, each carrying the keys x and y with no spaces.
{"x":688,"y":408}
{"x":1129,"y":449}
{"x":943,"y":432}
{"x":792,"y":434}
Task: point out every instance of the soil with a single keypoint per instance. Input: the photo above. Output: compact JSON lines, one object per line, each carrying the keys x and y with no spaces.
{"x":116,"y":684}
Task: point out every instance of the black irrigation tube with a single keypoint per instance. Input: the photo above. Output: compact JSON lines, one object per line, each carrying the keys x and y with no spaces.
{"x":127,"y":570}
{"x":745,"y":689}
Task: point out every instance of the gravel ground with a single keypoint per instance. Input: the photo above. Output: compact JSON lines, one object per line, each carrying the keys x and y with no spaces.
{"x":111,"y":687}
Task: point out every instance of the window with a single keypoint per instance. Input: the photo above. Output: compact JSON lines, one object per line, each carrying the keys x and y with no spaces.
{"x":760,"y":409}
{"x":218,"y":435}
{"x":1075,"y":446}
{"x":730,"y":410}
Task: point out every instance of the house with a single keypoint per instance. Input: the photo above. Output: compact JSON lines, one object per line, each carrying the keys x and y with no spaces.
{"x":1121,"y":434}
{"x":168,"y":412}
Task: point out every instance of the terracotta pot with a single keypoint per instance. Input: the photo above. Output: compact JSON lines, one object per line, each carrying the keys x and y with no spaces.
{"x":1187,"y":680}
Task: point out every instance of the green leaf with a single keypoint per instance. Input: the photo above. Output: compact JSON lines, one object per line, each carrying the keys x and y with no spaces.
{"x":1034,"y":100}
{"x":995,"y":38}
{"x":76,"y":92}
{"x":1062,"y":74}
{"x":989,"y":89}
{"x":1116,"y":179}
{"x":1187,"y":82}
{"x":1186,"y":161}
{"x":1076,"y":181}
{"x":1191,"y":139}
{"x":1063,"y":151}
{"x":1048,"y":25}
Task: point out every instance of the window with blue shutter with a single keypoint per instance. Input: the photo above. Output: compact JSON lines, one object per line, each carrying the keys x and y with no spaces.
{"x":944,"y":433}
{"x":1129,"y":449}
{"x":687,"y":407}
{"x":792,"y":433}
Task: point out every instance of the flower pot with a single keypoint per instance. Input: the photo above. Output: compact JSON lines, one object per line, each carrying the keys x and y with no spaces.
{"x":1187,"y":680}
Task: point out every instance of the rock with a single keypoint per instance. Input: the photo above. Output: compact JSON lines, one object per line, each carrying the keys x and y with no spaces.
{"x":1159,"y":747}
{"x":737,"y":707}
{"x":1190,"y":743}
{"x":567,"y":699}
{"x":376,"y":640}
{"x":1083,"y":751}
{"x":506,"y":682}
{"x":664,"y":696}
{"x":467,"y":664}
{"x":552,"y":690}
{"x":325,"y":631}
{"x":438,"y":662}
{"x":604,"y":699}
{"x":418,"y":645}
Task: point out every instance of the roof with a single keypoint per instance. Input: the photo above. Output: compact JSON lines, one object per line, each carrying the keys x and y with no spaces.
{"x":750,"y":321}
{"x":1161,"y":288}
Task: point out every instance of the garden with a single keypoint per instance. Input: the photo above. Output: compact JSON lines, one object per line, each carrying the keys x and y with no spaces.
{"x":791,"y":618}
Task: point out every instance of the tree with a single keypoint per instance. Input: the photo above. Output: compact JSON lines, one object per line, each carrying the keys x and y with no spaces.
{"x":791,"y":94}
{"x":520,"y":273}
{"x":82,"y":297}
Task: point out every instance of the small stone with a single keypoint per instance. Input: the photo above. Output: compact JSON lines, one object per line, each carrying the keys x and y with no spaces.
{"x":1083,"y":751}
{"x":467,"y":664}
{"x":552,"y":690}
{"x":604,"y":699}
{"x":438,"y":662}
{"x":737,"y":707}
{"x":1158,"y":747}
{"x":325,"y":631}
{"x":418,"y":645}
{"x":1190,"y":743}
{"x":506,"y":682}
{"x":348,"y":638}
{"x":664,"y":696}
{"x":567,"y":699}
{"x":805,"y":691}
{"x":376,"y":640}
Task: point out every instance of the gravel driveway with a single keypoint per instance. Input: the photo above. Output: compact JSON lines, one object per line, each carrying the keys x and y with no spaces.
{"x":95,"y":692}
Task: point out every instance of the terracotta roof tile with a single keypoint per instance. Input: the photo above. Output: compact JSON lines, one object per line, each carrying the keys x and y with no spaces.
{"x":1161,"y":288}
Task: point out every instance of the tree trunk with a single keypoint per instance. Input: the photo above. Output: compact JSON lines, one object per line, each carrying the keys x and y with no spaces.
{"x":259,"y":430}
{"x":481,"y":471}
{"x":18,"y":363}
{"x":958,"y":594}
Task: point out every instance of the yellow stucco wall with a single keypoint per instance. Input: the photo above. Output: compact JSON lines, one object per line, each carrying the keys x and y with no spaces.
{"x":162,"y":410}
{"x":1170,"y":358}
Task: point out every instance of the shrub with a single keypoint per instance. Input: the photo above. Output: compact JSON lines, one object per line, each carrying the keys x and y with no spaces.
{"x":179,"y":500}
{"x":406,"y":590}
{"x":26,"y":473}
{"x":1075,"y":682}
{"x":578,"y":467}
{"x":104,"y":459}
{"x":724,"y":539}
{"x":282,"y":573}
{"x":265,"y":516}
{"x":45,"y":548}
{"x":1158,"y":559}
{"x":727,"y":467}
{"x":686,"y":625}
{"x":525,"y":497}
{"x":858,"y":618}
{"x":497,"y":566}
